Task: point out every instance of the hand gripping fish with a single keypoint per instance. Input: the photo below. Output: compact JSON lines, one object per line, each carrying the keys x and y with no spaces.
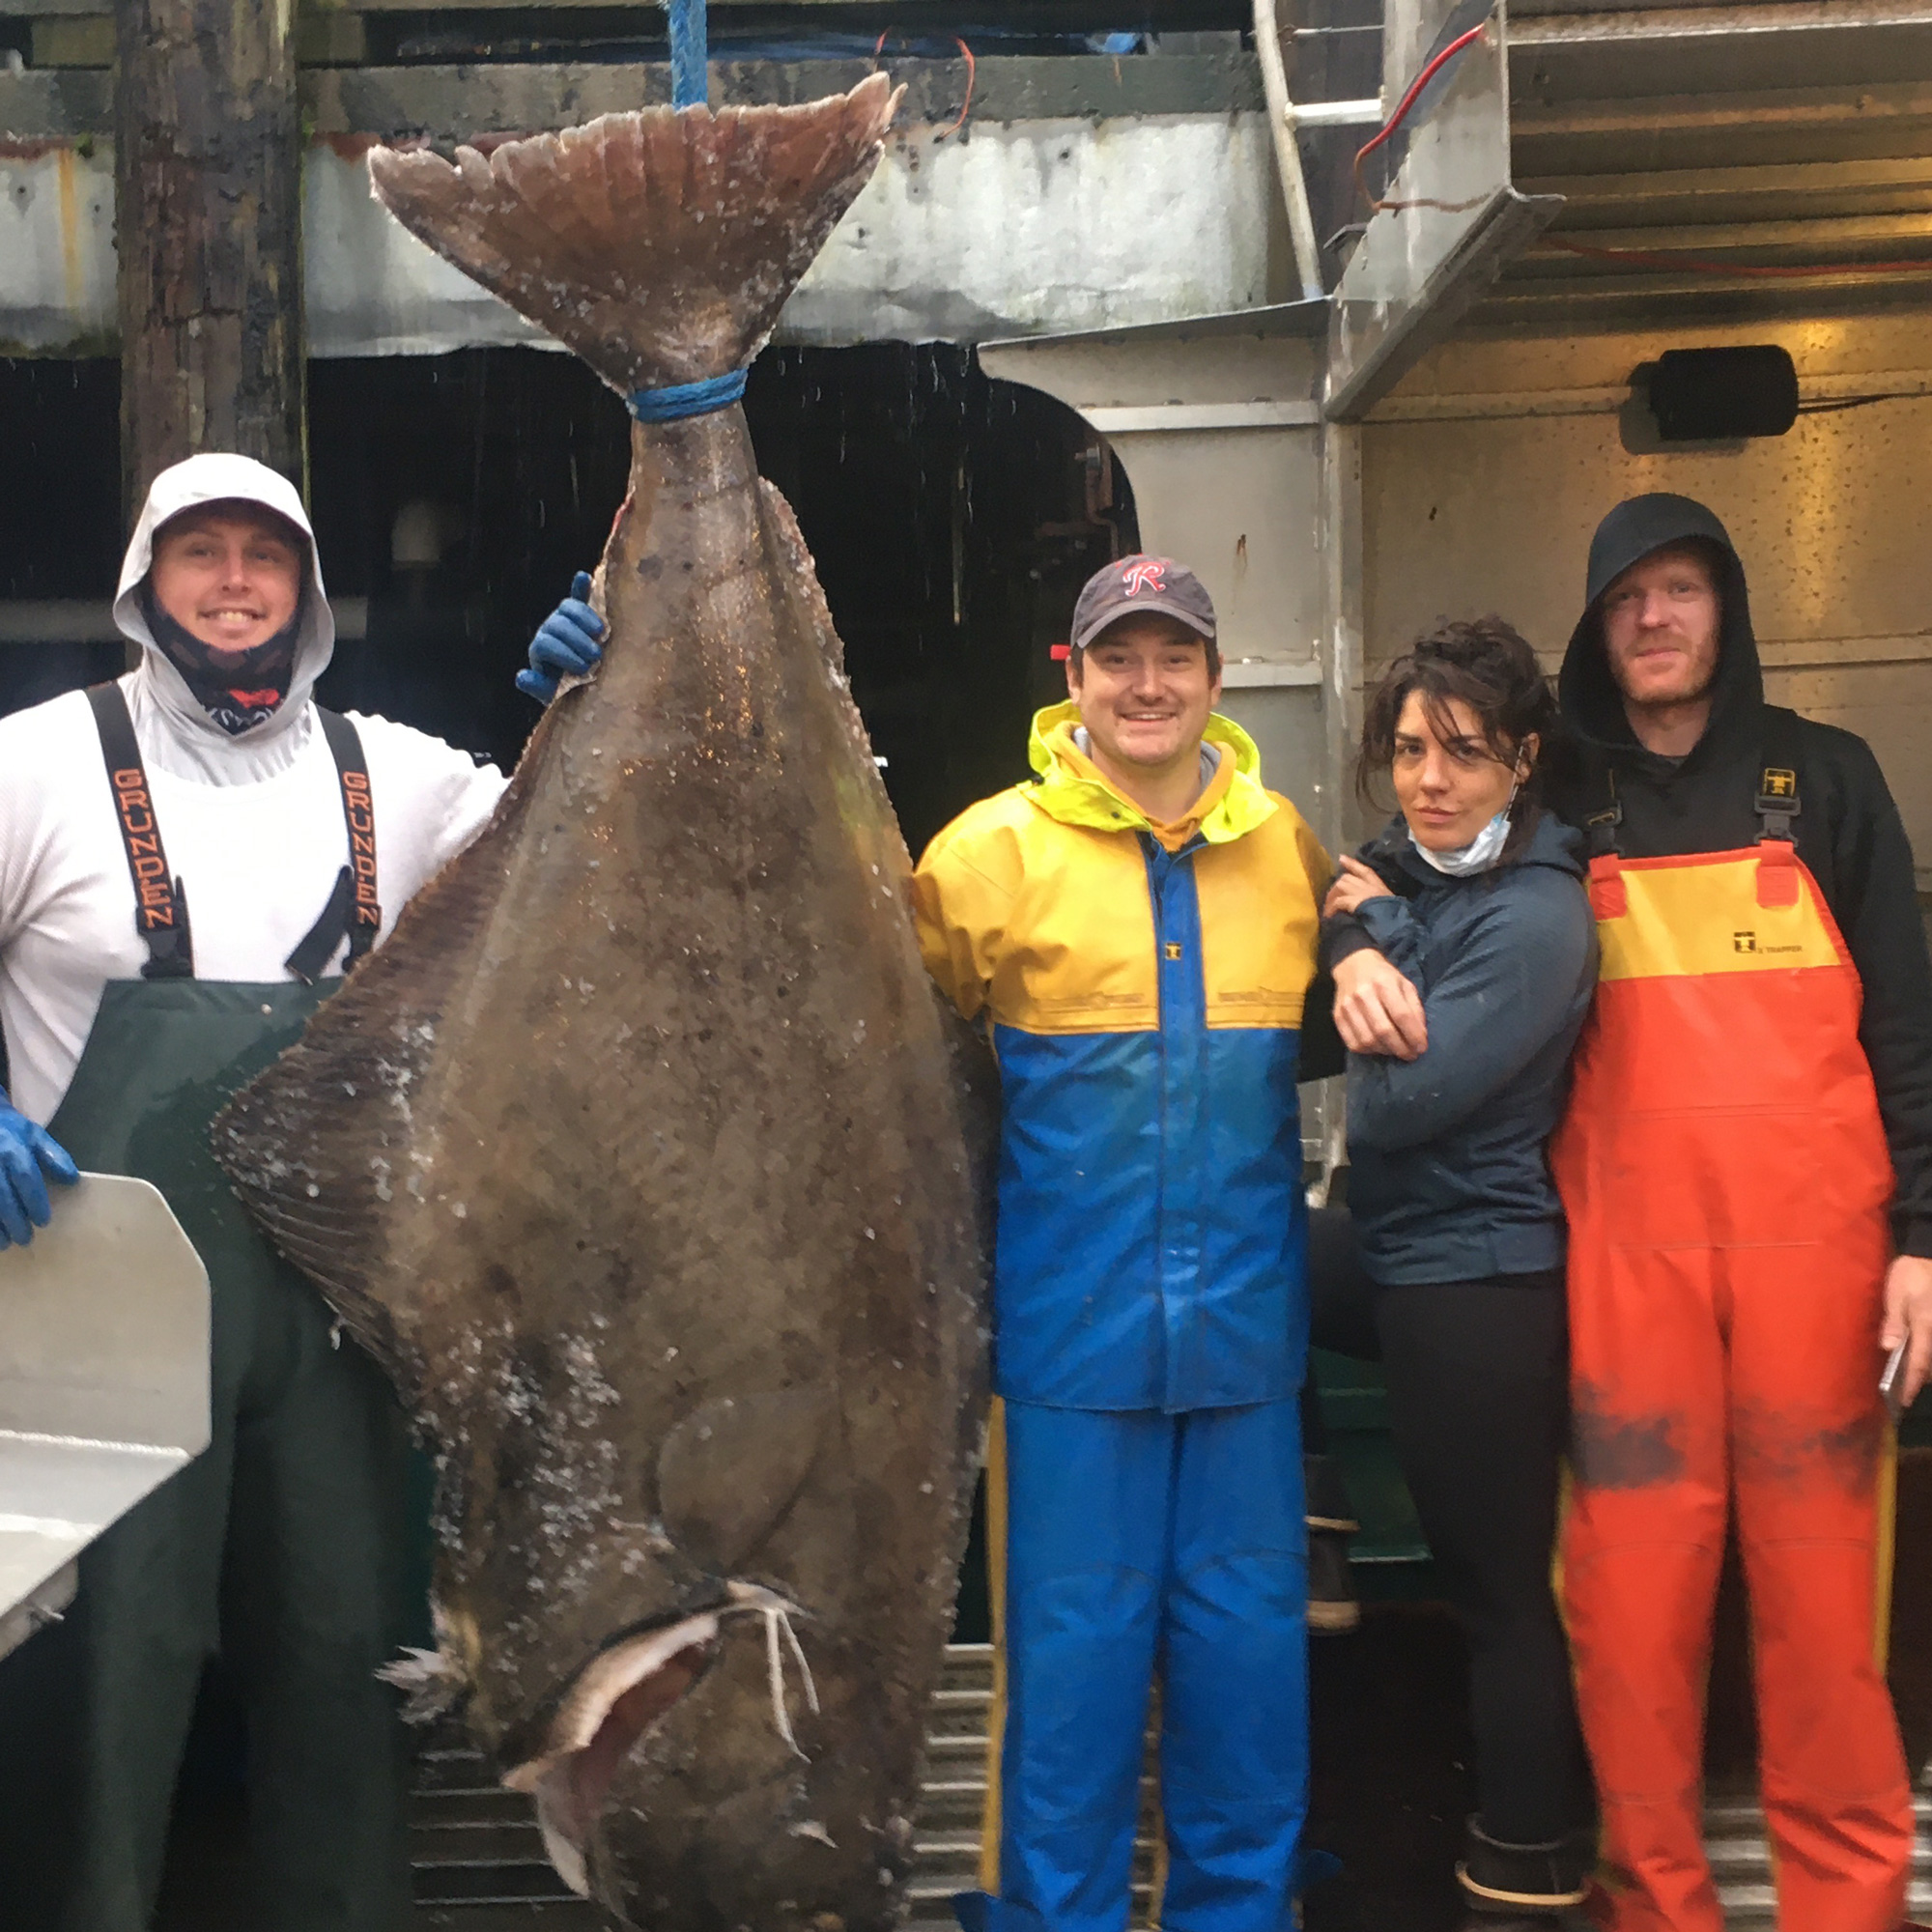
{"x":639,"y":1156}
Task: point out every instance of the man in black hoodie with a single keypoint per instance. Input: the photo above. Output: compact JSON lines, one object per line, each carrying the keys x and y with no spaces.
{"x":1747,"y":1164}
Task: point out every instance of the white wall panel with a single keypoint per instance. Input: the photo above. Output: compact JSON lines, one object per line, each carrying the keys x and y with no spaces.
{"x":1028,"y":225}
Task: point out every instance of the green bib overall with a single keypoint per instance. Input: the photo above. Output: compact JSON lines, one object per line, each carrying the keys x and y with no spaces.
{"x":285,"y":1546}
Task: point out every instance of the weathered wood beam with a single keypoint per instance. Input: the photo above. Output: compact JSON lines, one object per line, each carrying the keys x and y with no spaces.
{"x":324,"y":38}
{"x":207,"y":219}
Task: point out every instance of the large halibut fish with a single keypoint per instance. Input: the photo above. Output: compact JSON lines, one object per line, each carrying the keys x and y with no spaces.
{"x":637,"y":1155}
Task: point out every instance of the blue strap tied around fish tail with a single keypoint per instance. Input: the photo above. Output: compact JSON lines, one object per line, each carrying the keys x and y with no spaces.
{"x":687,"y":398}
{"x":689,"y":76}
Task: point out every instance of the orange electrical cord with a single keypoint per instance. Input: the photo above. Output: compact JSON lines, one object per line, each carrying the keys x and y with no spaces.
{"x":972,"y":75}
{"x":1401,"y":113}
{"x":1645,"y":257}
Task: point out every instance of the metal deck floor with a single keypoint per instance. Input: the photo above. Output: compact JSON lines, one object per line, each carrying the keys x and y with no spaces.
{"x":480,"y":1860}
{"x":480,"y":1866}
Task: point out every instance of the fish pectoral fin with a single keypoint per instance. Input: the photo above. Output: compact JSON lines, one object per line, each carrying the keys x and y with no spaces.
{"x":733,"y":1468}
{"x":328,"y":1148}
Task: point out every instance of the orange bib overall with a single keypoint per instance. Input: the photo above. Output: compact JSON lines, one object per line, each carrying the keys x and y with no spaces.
{"x":1726,"y":1179}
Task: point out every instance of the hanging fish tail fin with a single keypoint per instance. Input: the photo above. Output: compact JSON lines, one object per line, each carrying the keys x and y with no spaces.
{"x":659,"y":245}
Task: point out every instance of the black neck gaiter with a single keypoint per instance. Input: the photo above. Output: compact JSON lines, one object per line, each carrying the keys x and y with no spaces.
{"x":238,"y":693}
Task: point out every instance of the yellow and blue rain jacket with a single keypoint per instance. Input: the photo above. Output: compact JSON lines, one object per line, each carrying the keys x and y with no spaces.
{"x":1143,"y":985}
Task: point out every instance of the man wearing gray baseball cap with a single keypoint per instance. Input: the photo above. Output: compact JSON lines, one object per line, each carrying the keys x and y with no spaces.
{"x":1140,"y":587}
{"x":1136,"y":928}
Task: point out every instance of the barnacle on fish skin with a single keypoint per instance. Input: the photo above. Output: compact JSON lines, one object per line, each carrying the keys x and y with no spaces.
{"x":434,"y":1687}
{"x":437,"y":1681}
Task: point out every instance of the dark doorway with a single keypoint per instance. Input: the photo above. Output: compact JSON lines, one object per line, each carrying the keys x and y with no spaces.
{"x":952,"y":520}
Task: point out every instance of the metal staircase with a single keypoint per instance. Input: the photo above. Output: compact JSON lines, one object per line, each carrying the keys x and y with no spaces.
{"x":1734,"y":1837}
{"x":480,"y":1867}
{"x":479,"y":1860}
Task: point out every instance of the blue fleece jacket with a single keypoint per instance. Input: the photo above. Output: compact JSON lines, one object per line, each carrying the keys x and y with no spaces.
{"x":1448,"y":1178}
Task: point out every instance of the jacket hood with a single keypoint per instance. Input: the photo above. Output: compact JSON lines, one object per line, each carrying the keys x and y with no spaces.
{"x":212,"y":478}
{"x":1069,"y":789}
{"x":1551,"y":844}
{"x":1591,"y":703}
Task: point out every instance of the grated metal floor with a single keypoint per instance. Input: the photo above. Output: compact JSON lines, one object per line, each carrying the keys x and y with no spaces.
{"x":480,"y":1866}
{"x":480,"y":1860}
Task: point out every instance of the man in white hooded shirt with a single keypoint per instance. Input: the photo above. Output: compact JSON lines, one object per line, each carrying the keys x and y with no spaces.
{"x":190,"y":860}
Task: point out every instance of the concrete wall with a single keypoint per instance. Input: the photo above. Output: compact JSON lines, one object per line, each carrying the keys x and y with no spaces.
{"x":1077,"y":194}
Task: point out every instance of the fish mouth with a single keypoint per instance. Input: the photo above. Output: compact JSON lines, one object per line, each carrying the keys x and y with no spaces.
{"x":614,"y":1702}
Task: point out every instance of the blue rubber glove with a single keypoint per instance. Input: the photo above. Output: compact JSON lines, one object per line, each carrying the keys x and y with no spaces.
{"x":25,"y":1151}
{"x":567,"y":644}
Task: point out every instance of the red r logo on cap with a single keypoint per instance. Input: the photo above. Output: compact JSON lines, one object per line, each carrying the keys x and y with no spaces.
{"x":1146,"y":574}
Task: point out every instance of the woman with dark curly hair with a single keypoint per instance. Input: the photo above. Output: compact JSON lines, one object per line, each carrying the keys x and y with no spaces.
{"x":1464,"y":957}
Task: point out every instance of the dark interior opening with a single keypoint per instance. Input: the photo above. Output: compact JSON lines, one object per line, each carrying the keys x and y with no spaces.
{"x":952,"y":520}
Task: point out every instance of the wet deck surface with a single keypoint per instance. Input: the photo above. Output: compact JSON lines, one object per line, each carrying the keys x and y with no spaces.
{"x":1390,"y":1793}
{"x":1391,"y":1784}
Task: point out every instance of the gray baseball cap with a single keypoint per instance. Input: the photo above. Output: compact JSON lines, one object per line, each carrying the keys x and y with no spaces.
{"x":1138,"y":586}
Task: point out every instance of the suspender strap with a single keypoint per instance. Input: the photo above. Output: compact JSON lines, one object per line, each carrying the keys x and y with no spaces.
{"x":1601,"y":829}
{"x":1778,"y":799}
{"x":160,"y":908}
{"x":359,"y":813}
{"x":354,"y":906}
{"x":1609,"y":897}
{"x":1777,"y":805}
{"x":1602,"y":825}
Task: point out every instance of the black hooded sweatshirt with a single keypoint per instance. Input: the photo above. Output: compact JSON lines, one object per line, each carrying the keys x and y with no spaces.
{"x":1847,"y":829}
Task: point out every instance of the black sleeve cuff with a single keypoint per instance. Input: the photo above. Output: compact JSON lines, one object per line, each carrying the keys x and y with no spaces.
{"x":1914,"y":1235}
{"x":1322,"y":1055}
{"x":1343,"y":935}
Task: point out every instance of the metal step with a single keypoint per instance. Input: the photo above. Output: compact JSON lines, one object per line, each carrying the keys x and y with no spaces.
{"x":478,"y":1856}
{"x":1741,"y":1863}
{"x":480,"y":1866}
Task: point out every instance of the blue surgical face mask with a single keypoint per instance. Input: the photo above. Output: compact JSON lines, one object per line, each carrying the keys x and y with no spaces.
{"x":1477,"y":856}
{"x":1481,"y":852}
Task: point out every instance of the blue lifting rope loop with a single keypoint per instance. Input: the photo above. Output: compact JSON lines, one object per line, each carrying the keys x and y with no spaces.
{"x":689,"y":79}
{"x":687,"y":398}
{"x":690,"y":87}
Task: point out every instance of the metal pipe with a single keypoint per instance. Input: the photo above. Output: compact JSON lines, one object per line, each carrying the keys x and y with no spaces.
{"x":1282,"y":124}
{"x":1337,"y":113}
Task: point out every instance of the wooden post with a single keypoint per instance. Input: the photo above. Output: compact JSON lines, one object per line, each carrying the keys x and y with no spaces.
{"x":208,"y":227}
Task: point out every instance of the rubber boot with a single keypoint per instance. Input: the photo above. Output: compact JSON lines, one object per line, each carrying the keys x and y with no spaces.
{"x":1524,"y":1888}
{"x":1332,"y":1605}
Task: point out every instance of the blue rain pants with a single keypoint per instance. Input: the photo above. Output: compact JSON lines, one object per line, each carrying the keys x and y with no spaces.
{"x":1141,"y":1545}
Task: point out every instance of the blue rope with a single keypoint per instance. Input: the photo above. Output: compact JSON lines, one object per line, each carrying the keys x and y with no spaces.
{"x":687,"y":398}
{"x":689,"y":79}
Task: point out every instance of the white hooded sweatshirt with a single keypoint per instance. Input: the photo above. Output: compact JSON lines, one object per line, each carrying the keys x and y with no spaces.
{"x":252,"y":824}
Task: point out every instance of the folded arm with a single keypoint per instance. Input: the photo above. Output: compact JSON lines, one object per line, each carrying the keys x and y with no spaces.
{"x":1510,"y":990}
